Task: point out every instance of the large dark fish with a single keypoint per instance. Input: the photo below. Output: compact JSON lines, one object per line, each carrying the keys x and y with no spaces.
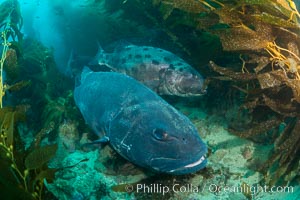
{"x":160,"y":70}
{"x":139,"y":124}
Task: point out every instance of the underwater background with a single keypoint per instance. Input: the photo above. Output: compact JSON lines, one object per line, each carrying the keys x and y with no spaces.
{"x":249,"y":118}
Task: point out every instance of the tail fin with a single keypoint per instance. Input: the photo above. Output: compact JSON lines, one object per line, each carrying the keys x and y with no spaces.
{"x":71,"y":59}
{"x":69,"y":64}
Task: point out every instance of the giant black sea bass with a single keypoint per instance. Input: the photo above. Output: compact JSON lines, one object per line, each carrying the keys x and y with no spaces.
{"x":139,"y":124}
{"x":160,"y":70}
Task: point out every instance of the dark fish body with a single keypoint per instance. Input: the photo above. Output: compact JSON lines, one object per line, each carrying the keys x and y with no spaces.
{"x":140,"y":125}
{"x":162,"y":71}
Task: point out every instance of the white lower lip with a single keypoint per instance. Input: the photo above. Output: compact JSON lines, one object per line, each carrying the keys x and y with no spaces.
{"x":195,"y":163}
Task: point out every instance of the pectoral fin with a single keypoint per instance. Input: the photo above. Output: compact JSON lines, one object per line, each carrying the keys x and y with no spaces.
{"x":102,"y":141}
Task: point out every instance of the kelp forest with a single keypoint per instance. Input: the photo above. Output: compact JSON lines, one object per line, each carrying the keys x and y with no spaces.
{"x":248,"y":50}
{"x":27,"y":84}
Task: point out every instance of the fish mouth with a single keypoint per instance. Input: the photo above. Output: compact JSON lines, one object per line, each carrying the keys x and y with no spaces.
{"x":189,"y":91}
{"x":177,"y":166}
{"x":200,"y":161}
{"x":192,"y":167}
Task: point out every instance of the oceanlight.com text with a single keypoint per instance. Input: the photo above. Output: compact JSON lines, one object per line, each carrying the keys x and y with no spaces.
{"x":254,"y":189}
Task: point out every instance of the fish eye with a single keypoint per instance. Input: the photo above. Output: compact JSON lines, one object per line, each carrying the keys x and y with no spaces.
{"x":160,"y":134}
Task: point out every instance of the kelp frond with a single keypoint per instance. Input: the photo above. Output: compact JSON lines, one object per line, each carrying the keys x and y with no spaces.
{"x":25,"y":173}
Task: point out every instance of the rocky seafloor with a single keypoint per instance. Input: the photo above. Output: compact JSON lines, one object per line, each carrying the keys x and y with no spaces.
{"x":95,"y":172}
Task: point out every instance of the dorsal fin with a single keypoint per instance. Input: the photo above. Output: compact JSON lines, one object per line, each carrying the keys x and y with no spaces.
{"x":83,"y":76}
{"x":100,"y":49}
{"x":99,"y":55}
{"x":120,"y":45}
